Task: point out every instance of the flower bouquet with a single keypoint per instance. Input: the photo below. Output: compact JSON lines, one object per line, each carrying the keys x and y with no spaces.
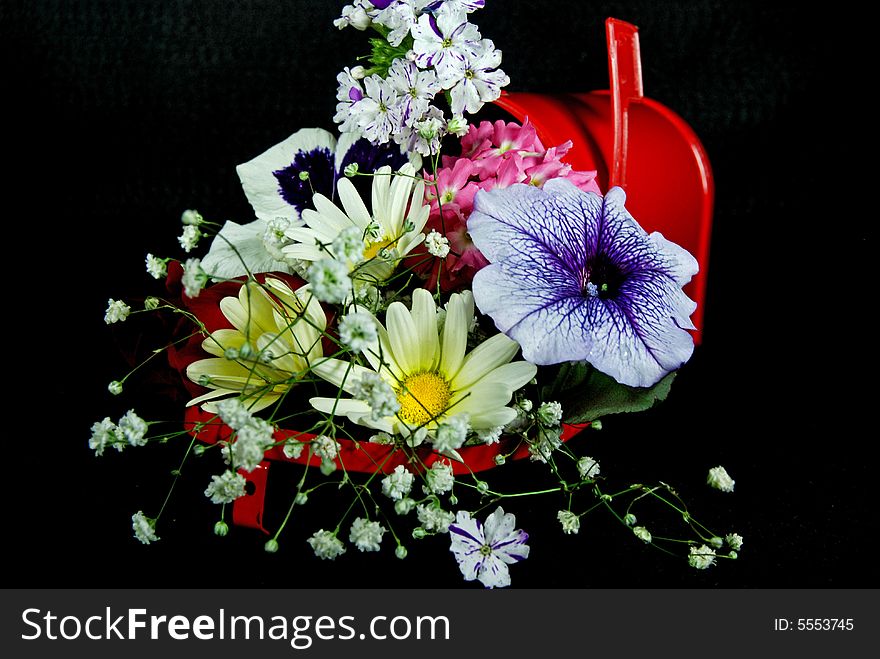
{"x":420,"y":300}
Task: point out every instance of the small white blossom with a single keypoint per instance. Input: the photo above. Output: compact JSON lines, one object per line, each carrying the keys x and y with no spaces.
{"x":354,"y":15}
{"x":437,"y":244}
{"x":144,"y":528}
{"x":226,"y":488}
{"x":433,"y":519}
{"x":103,"y":433}
{"x":221,"y":529}
{"x":701,"y":557}
{"x":571,"y":523}
{"x":400,"y":552}
{"x":194,"y":277}
{"x":398,"y":483}
{"x":378,"y":394}
{"x":457,"y":126}
{"x":115,"y":387}
{"x":450,"y":434}
{"x":720,"y":479}
{"x":445,"y":43}
{"x":151,"y":303}
{"x":189,"y":238}
{"x":377,"y":111}
{"x":439,"y":478}
{"x":117,"y":311}
{"x":133,"y":428}
{"x":251,"y":443}
{"x":233,"y":413}
{"x":326,"y":545}
{"x":547,"y":441}
{"x":191,"y":218}
{"x":629,"y":519}
{"x":525,"y":404}
{"x":587,"y":467}
{"x":292,"y":448}
{"x":490,"y":435}
{"x":642,"y":533}
{"x":274,"y":238}
{"x":366,"y":535}
{"x":357,"y":330}
{"x":325,"y":447}
{"x":156,"y":267}
{"x":550,"y":414}
{"x":398,"y":17}
{"x":382,"y":438}
{"x":330,"y":280}
{"x":351,"y":170}
{"x":404,"y":506}
{"x":481,"y":81}
{"x":348,"y":246}
{"x":734,"y":541}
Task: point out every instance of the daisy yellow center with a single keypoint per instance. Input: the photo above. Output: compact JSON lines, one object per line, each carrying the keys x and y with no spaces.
{"x":371,"y":250}
{"x":423,"y":396}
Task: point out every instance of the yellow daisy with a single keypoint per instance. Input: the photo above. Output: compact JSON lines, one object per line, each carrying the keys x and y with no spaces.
{"x":277,"y":337}
{"x":430,"y":371}
{"x":392,"y":230}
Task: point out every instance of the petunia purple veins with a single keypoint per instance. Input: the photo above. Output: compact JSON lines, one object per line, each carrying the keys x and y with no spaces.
{"x":573,"y":277}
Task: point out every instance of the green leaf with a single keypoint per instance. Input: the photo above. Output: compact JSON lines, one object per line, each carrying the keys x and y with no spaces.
{"x":586,"y":394}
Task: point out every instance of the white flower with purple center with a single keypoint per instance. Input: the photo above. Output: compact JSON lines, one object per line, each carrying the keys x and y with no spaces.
{"x":446,"y":42}
{"x":417,"y":89}
{"x":482,"y":81}
{"x":573,"y":277}
{"x":483,"y":552}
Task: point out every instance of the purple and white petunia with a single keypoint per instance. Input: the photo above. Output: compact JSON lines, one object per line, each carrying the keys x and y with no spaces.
{"x":573,"y":277}
{"x":483,"y":552}
{"x":482,"y":81}
{"x":446,"y":42}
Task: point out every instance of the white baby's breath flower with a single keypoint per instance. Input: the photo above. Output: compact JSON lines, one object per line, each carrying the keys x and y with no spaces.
{"x":226,"y":488}
{"x":156,"y":267}
{"x":117,"y":311}
{"x":357,"y":330}
{"x":115,"y":387}
{"x":251,"y":443}
{"x":191,"y":218}
{"x":398,"y":483}
{"x":434,"y":519}
{"x":490,"y":435}
{"x":151,"y":303}
{"x":194,"y":278}
{"x":378,"y":394}
{"x":233,"y":413}
{"x":587,"y":467}
{"x":330,"y":281}
{"x":325,"y":447}
{"x":701,"y":557}
{"x":105,"y":433}
{"x":404,"y":506}
{"x":547,"y":441}
{"x":438,"y":245}
{"x":439,"y":479}
{"x":144,"y":528}
{"x":734,"y":541}
{"x":366,"y":535}
{"x":450,"y":434}
{"x":550,"y":414}
{"x":292,"y":448}
{"x":326,"y":545}
{"x":382,"y":438}
{"x":348,"y":245}
{"x":457,"y":126}
{"x":642,"y":533}
{"x":570,"y":522}
{"x":720,"y":479}
{"x":190,"y":237}
{"x":133,"y":428}
{"x":274,"y":238}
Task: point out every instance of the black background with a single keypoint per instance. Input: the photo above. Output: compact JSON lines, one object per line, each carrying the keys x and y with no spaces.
{"x":124,"y":113}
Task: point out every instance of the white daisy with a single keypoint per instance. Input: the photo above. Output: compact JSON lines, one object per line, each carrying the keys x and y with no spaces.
{"x":431,"y":374}
{"x":276,"y":338}
{"x":392,"y":230}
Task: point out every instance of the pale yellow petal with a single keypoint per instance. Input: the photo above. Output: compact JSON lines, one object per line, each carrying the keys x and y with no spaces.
{"x":217,"y":342}
{"x":342,"y":374}
{"x":424,"y":315}
{"x":403,"y":337}
{"x":484,"y":359}
{"x":455,"y":333}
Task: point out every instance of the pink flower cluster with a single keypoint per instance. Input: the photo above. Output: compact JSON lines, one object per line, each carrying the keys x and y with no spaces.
{"x":493,"y":155}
